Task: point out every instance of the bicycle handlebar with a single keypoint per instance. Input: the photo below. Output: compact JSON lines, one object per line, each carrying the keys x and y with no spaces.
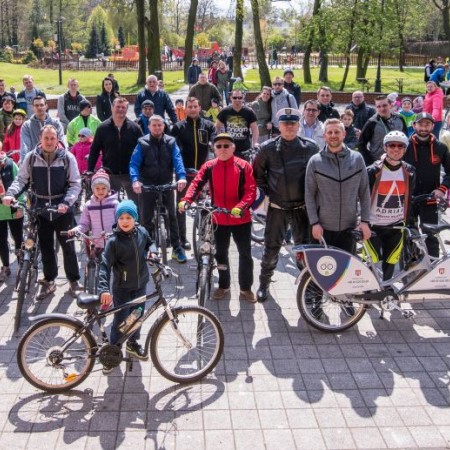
{"x":208,"y":208}
{"x":80,"y":235}
{"x":159,"y":188}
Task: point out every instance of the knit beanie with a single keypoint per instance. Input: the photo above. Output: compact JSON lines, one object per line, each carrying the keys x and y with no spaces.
{"x":127,"y":207}
{"x":100,"y":177}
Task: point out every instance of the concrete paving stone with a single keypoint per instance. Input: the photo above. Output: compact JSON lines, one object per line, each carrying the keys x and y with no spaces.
{"x":353,"y":351}
{"x":282,"y":351}
{"x":190,"y":440}
{"x":217,"y":420}
{"x":339,"y":381}
{"x":441,"y":379}
{"x":418,"y":380}
{"x":315,"y":381}
{"x":245,"y":419}
{"x":133,"y":419}
{"x":160,"y":420}
{"x":428,"y":437}
{"x":272,"y":439}
{"x":11,"y":441}
{"x":400,"y":350}
{"x":284,"y":367}
{"x":397,"y":437}
{"x":306,"y":351}
{"x":414,"y":417}
{"x":368,"y":438}
{"x":438,"y":415}
{"x":367,"y":380}
{"x":346,"y":398}
{"x":309,"y":439}
{"x":268,"y":400}
{"x":424,"y":349}
{"x":273,"y":419}
{"x":386,"y":417}
{"x":430,"y":396}
{"x":322,"y":399}
{"x":237,"y":353}
{"x":69,"y":439}
{"x":49,"y":439}
{"x":266,"y":383}
{"x":245,"y":400}
{"x":249,"y":440}
{"x":335,"y":365}
{"x":301,"y":418}
{"x":329,"y":418}
{"x":240,"y":382}
{"x":160,"y":440}
{"x":442,"y":348}
{"x":376,"y":397}
{"x":358,"y":417}
{"x":324,"y":338}
{"x":310,"y":366}
{"x":392,"y":380}
{"x":329,"y":351}
{"x":432,"y":363}
{"x":103,"y":421}
{"x":409,"y":364}
{"x":301,"y":338}
{"x":359,"y":365}
{"x":189,"y":420}
{"x":338,"y":438}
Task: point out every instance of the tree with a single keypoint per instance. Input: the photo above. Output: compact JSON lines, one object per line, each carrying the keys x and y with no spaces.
{"x":264,"y":74}
{"x":104,"y":43}
{"x":92,"y":49}
{"x":189,"y":42}
{"x":140,"y":12}
{"x":121,"y":37}
{"x":153,"y":42}
{"x":309,"y":43}
{"x":239,"y":30}
{"x":444,"y":7}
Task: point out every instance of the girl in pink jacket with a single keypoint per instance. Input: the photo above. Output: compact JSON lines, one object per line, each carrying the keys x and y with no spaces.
{"x":434,"y":105}
{"x":82,"y":148}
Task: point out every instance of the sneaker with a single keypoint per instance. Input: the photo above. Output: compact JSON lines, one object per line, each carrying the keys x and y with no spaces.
{"x":5,"y":272}
{"x":107,"y":370}
{"x":186,"y":245}
{"x":45,"y":289}
{"x":220,"y":293}
{"x":248,"y":296}
{"x":135,"y":349}
{"x":75,"y":288}
{"x":179,"y":254}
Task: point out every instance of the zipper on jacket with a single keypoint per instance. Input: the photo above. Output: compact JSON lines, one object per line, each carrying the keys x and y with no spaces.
{"x":195,"y":143}
{"x":137,"y":260}
{"x":340,"y":192}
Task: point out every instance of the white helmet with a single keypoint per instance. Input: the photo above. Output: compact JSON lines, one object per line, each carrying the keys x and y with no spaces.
{"x":396,"y":136}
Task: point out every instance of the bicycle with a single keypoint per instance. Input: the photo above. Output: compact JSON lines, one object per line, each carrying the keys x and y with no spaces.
{"x":336,"y":287}
{"x":59,"y":351}
{"x":93,"y":258}
{"x":160,"y":217}
{"x":27,"y":256}
{"x":206,"y":248}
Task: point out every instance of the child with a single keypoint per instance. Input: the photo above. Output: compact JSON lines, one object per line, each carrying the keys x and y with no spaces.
{"x":418,"y":104}
{"x":125,"y":253}
{"x":408,"y":114}
{"x":99,"y":212}
{"x":8,"y":219}
{"x":213,"y":112}
{"x":82,"y":148}
{"x":394,"y":101}
{"x":12,"y":135}
{"x":351,"y":141}
{"x":179,"y":109}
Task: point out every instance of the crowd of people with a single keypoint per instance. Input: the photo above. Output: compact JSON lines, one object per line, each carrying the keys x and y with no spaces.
{"x":324,"y":173}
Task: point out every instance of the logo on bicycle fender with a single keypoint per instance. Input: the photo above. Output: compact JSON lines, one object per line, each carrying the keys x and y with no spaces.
{"x":326,"y":266}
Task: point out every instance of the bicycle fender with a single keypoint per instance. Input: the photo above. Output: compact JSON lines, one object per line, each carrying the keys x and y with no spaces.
{"x":41,"y":317}
{"x":297,"y":281}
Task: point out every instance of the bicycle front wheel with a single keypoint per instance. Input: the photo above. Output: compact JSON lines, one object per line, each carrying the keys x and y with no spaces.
{"x":323,"y":311}
{"x":90,"y":279}
{"x":163,"y":239}
{"x":204,"y":284}
{"x":22,"y":292}
{"x":190,"y":348}
{"x":53,"y":358}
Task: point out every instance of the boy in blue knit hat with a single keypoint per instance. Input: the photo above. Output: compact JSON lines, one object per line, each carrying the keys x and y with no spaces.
{"x":125,"y":253}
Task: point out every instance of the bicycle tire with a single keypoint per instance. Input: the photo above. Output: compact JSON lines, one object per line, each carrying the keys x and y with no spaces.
{"x":258,"y":227}
{"x":90,"y":279}
{"x":204,"y":284}
{"x":325,"y":312}
{"x":163,"y":239}
{"x":41,"y":342}
{"x":22,"y":291}
{"x":203,"y":331}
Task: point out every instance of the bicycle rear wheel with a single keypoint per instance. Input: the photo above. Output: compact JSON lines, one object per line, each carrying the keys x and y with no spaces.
{"x":204,"y":284}
{"x":323,"y":311}
{"x":190,"y":348}
{"x":258,"y":227}
{"x":22,"y":288}
{"x":163,"y":239}
{"x":53,"y":358}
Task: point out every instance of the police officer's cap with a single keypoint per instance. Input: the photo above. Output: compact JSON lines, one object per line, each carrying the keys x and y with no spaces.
{"x":288,"y":115}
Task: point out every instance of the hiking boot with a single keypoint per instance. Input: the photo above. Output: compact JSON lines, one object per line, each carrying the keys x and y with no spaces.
{"x":186,"y":245}
{"x":5,"y":272}
{"x":179,"y":254}
{"x":75,"y":288}
{"x":220,"y":293}
{"x":262,"y":293}
{"x":45,"y":289}
{"x":248,"y":296}
{"x":135,"y":349}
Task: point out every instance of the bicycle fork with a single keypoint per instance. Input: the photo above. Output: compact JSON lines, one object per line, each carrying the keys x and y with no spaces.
{"x":174,"y":321}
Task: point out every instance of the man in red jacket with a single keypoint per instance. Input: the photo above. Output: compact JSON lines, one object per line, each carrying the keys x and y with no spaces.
{"x":233,"y":187}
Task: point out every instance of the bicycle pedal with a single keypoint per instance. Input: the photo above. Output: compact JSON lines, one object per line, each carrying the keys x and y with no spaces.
{"x":192,"y":267}
{"x":222,"y":267}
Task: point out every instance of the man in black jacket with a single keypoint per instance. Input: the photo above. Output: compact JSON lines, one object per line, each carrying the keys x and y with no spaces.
{"x":327,"y":110}
{"x":428,"y":156}
{"x":362,"y":111}
{"x":116,"y":139}
{"x":279,"y":170}
{"x":193,"y":136}
{"x":292,"y":87}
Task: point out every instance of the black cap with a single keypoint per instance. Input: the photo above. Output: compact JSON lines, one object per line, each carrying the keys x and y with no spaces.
{"x":148,"y":103}
{"x":288,"y":70}
{"x":226,"y":136}
{"x":424,"y":116}
{"x":85,"y":104}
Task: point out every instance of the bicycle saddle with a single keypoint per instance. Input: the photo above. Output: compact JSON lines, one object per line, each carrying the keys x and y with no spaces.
{"x":435,"y":228}
{"x":88,"y":301}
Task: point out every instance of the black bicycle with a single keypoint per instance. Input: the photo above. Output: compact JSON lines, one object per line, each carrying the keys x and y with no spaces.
{"x":59,"y":351}
{"x":160,"y":218}
{"x":27,"y":256}
{"x":93,"y":255}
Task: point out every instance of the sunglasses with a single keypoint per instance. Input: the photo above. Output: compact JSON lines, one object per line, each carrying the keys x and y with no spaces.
{"x":396,"y":146}
{"x":277,"y":84}
{"x":222,"y":145}
{"x":237,"y":98}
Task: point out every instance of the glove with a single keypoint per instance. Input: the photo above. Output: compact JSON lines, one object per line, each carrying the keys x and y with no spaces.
{"x":236,"y":212}
{"x":183,"y":205}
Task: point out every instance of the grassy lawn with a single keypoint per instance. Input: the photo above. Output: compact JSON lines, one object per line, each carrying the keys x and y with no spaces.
{"x":412,"y":79}
{"x":90,"y":81}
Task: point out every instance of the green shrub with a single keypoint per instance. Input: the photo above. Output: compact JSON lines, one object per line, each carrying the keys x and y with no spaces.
{"x":29,"y":57}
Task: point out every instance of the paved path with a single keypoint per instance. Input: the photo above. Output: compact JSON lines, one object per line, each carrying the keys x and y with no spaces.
{"x":279,"y":385}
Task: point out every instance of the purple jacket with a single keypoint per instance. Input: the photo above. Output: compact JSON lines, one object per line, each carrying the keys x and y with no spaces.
{"x":98,"y":216}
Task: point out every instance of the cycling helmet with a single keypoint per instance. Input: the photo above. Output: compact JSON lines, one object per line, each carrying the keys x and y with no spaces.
{"x":396,"y":136}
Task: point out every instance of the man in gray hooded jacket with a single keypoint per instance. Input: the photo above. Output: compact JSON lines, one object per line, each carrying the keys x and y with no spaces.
{"x":280,"y":99}
{"x":31,"y":130}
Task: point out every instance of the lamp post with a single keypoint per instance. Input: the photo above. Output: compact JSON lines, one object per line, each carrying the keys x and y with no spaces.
{"x":59,"y":50}
{"x":378,"y":79}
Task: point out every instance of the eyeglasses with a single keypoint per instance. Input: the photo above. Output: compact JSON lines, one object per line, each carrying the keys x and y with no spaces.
{"x":237,"y":98}
{"x":222,"y":145}
{"x":393,"y":145}
{"x":277,"y":84}
{"x":311,"y":110}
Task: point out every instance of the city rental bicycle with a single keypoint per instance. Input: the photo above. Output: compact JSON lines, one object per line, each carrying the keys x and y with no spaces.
{"x":93,"y":255}
{"x":27,"y":257}
{"x":336,"y":287}
{"x":160,"y":218}
{"x":58,"y":351}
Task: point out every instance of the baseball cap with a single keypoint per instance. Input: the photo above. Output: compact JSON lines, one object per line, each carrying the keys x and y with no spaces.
{"x":148,"y":103}
{"x":288,"y":70}
{"x":424,"y":116}
{"x":288,"y":115}
{"x":226,"y":136}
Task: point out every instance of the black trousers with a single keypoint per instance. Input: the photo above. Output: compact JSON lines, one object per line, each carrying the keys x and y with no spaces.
{"x":147,"y":202}
{"x":277,"y":223}
{"x":428,"y":214}
{"x":123,"y":180}
{"x":16,"y":228}
{"x":181,"y":217}
{"x":46,"y":230}
{"x":242,"y":237}
{"x":340,"y":239}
